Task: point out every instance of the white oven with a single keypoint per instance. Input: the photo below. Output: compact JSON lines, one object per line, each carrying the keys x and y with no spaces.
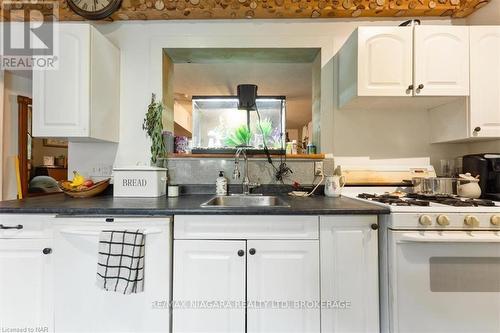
{"x":443,"y":281}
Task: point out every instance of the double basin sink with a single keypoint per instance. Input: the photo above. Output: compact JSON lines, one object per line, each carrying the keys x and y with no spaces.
{"x":245,"y":201}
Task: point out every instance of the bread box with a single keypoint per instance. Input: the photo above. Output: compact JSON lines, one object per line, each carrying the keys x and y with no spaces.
{"x":139,"y":181}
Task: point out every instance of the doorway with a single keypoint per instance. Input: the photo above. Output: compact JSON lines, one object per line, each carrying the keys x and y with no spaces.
{"x":41,"y":163}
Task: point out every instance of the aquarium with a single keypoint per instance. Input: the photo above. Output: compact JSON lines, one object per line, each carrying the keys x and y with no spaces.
{"x":219,"y":126}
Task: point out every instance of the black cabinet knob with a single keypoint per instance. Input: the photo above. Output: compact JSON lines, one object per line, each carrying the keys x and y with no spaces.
{"x":420,"y":87}
{"x":410,"y":87}
{"x":252,"y":251}
{"x":110,"y":219}
{"x":47,"y":250}
{"x":241,"y":253}
{"x":477,"y":129}
{"x":374,"y":226}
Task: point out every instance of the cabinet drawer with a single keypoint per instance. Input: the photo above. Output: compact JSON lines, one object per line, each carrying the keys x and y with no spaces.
{"x":245,"y":227}
{"x":25,"y":226}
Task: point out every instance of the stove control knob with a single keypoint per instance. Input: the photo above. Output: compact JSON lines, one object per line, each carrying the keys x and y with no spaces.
{"x":495,"y":220}
{"x":471,"y":221}
{"x":425,"y":220}
{"x":443,"y":220}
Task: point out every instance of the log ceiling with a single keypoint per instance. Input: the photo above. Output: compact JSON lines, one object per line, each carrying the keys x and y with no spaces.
{"x":272,"y":9}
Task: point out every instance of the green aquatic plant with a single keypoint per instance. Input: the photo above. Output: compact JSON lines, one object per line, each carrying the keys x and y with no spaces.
{"x":265,"y":127}
{"x":240,"y":137}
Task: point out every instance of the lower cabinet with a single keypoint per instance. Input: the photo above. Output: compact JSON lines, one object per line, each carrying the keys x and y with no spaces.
{"x":209,"y":272}
{"x":246,"y":286}
{"x":26,"y":290}
{"x":283,"y":274}
{"x":81,"y":306}
{"x":349,"y":274}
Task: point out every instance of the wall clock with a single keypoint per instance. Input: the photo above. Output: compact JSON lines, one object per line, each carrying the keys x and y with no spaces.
{"x":94,"y":9}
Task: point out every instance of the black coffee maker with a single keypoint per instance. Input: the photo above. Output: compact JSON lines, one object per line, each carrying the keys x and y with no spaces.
{"x":487,"y":166}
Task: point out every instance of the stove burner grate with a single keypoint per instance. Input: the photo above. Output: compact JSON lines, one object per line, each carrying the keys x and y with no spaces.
{"x":393,"y":200}
{"x":424,"y":200}
{"x":452,"y":200}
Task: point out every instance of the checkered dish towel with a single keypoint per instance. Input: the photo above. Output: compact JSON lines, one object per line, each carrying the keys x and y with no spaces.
{"x":120,"y":264}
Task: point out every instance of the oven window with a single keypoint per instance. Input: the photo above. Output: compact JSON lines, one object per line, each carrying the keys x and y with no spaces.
{"x":465,"y":274}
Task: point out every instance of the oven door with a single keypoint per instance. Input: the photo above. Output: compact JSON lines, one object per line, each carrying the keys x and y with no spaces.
{"x":444,"y":281}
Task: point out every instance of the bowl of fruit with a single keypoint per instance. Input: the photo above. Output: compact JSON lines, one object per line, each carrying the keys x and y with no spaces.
{"x":79,"y":187}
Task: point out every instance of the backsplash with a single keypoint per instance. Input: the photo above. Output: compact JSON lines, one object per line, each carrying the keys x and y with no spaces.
{"x":205,"y":170}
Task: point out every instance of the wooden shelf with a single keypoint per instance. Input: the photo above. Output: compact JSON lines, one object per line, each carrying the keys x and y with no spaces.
{"x":297,"y":156}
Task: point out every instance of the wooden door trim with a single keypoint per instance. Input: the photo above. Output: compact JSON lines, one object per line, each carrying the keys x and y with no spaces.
{"x":23,"y":104}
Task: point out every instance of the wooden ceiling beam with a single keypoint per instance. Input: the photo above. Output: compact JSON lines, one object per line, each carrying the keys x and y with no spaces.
{"x":289,"y":9}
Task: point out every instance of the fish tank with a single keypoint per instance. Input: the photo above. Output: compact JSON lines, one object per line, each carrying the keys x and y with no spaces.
{"x":220,"y":127}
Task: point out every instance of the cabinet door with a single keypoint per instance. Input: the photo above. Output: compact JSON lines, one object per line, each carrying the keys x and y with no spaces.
{"x":81,"y":306}
{"x":61,"y":96}
{"x":441,"y":61}
{"x":385,"y":61}
{"x":349,"y":274}
{"x":209,"y":272}
{"x":283,"y":286}
{"x":485,"y":81}
{"x":25,"y":285}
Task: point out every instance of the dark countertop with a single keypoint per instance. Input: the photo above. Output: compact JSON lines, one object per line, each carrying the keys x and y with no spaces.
{"x":186,"y":204}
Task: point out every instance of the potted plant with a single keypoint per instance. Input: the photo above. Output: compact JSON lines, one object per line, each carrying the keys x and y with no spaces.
{"x":154,"y":128}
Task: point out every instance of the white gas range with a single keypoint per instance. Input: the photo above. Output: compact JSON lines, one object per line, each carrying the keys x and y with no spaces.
{"x":439,"y":263}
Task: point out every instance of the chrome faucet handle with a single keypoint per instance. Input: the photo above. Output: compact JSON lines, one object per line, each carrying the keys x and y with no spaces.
{"x":236,"y":172}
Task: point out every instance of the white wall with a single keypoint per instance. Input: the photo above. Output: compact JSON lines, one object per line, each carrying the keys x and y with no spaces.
{"x":488,"y":15}
{"x":14,"y":85}
{"x":141,"y":58}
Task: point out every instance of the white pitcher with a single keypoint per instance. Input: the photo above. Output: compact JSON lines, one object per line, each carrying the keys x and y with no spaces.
{"x":334,"y":186}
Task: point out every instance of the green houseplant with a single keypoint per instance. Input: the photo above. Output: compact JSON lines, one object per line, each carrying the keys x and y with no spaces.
{"x":154,"y":128}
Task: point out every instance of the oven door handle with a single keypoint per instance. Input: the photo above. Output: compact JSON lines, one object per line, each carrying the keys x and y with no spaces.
{"x":96,"y":232}
{"x":462,"y":238}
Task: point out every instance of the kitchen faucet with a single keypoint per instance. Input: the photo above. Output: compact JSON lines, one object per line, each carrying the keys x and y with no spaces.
{"x":246,"y":184}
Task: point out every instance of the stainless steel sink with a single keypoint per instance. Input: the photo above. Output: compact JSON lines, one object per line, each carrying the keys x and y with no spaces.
{"x":243,"y":201}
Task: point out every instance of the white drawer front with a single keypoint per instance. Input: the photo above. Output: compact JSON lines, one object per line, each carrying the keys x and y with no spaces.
{"x":245,"y":227}
{"x":25,"y":226}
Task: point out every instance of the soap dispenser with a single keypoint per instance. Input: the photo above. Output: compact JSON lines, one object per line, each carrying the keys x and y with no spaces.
{"x":221,"y":184}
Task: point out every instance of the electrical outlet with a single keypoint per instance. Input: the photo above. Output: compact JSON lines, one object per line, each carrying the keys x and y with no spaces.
{"x":318,"y":168}
{"x":101,"y":170}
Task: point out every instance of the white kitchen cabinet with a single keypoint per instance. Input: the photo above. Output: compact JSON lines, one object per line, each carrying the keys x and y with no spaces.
{"x":208,"y":271}
{"x":477,"y":117}
{"x":288,"y":271}
{"x":80,"y":99}
{"x":376,"y":61}
{"x":227,"y":259}
{"x":349,"y":274}
{"x":385,"y":66}
{"x":441,"y":60}
{"x":26,"y":285}
{"x":81,"y":306}
{"x":485,"y":81}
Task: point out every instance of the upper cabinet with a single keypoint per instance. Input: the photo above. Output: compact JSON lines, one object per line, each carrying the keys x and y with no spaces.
{"x":485,"y":81}
{"x":477,"y":117}
{"x":376,"y":61}
{"x":80,"y":100}
{"x":403,"y":62}
{"x":441,"y":61}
